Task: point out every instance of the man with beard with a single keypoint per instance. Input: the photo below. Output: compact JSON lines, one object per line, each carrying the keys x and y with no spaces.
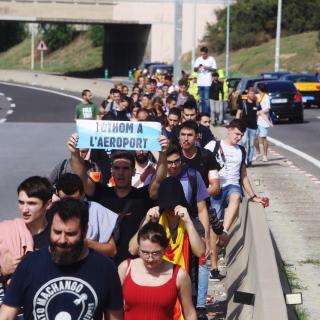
{"x":60,"y":282}
{"x":144,"y":167}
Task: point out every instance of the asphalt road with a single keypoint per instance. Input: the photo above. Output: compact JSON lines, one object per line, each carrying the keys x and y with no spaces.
{"x":304,"y":137}
{"x":37,"y":106}
{"x":33,"y":140}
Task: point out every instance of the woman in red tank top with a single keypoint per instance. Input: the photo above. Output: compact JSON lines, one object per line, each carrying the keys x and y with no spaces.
{"x":150,"y":284}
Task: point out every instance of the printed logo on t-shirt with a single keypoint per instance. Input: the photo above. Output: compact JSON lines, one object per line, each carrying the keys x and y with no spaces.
{"x":87,"y":113}
{"x":65,"y":298}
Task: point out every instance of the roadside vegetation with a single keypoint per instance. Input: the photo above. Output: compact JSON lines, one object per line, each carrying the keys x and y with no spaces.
{"x":296,"y":286}
{"x":78,"y":55}
{"x":299,"y":53}
{"x":253,"y":22}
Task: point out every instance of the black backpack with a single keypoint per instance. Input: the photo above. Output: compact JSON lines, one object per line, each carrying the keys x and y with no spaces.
{"x":223,"y":159}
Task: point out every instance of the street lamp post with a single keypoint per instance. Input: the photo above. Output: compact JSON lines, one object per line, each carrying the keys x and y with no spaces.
{"x":177,"y":39}
{"x":194,"y":34}
{"x":278,"y":35}
{"x":228,"y":39}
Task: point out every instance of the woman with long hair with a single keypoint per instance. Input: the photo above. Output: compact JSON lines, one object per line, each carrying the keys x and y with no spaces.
{"x":150,"y":284}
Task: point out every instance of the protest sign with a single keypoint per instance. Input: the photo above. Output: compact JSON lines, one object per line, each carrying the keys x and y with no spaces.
{"x":120,"y":135}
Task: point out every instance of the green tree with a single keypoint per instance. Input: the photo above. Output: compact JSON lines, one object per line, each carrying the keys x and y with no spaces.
{"x":57,"y":35}
{"x":11,"y":33}
{"x":254,"y":21}
{"x":96,"y":35}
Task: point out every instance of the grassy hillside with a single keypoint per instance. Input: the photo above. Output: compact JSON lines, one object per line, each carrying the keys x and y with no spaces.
{"x":298,"y":53}
{"x":79,"y":55}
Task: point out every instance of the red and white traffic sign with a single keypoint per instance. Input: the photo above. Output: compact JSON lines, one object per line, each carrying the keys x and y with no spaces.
{"x":42,"y":46}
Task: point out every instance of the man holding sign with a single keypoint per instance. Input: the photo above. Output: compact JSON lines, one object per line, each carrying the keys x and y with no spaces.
{"x":131,"y":204}
{"x":118,"y":135}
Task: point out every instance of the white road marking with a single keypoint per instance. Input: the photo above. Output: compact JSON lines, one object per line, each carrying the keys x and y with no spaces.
{"x":41,"y":89}
{"x":3,"y":120}
{"x":318,"y":117}
{"x":10,"y":112}
{"x":9,"y":99}
{"x":1,"y":94}
{"x":301,"y":154}
{"x":12,"y":105}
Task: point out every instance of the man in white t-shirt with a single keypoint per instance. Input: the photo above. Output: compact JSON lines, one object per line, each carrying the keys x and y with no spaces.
{"x":233,"y":176}
{"x":204,"y":65}
{"x":264,"y":122}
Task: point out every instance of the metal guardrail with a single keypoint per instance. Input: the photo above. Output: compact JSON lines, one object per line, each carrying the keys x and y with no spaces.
{"x":252,"y":268}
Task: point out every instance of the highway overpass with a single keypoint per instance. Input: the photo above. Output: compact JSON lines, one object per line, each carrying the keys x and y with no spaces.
{"x":134,"y":30}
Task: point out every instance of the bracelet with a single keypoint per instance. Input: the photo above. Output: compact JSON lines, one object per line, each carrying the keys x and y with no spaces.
{"x":251,"y":198}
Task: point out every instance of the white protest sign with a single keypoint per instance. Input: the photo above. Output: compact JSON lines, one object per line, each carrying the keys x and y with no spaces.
{"x":119,"y":135}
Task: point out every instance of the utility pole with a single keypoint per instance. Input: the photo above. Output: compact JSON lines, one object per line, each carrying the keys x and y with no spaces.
{"x":278,"y":36}
{"x":194,"y":34}
{"x":32,"y":46}
{"x":228,"y":39}
{"x":178,"y":4}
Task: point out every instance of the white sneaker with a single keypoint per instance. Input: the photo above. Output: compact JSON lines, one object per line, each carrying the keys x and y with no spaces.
{"x":256,"y":157}
{"x":264,"y":159}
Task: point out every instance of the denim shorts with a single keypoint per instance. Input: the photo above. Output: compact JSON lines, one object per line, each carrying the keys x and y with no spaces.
{"x":262,"y":132}
{"x":220,"y":202}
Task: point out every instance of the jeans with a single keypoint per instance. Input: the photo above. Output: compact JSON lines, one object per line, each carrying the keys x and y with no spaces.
{"x":203,"y":282}
{"x":248,"y":142}
{"x":204,"y":93}
{"x":221,"y":201}
{"x":217,"y":111}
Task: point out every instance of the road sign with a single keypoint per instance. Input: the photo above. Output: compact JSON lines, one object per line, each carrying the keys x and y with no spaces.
{"x":42,"y":46}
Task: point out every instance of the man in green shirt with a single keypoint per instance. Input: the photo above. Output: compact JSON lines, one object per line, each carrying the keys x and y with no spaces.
{"x":87,"y":109}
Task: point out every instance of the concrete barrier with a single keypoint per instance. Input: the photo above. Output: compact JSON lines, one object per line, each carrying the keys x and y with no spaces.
{"x":252,"y":268}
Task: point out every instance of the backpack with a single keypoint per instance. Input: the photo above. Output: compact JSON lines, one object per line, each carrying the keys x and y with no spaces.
{"x":272,"y":116}
{"x":223,"y":159}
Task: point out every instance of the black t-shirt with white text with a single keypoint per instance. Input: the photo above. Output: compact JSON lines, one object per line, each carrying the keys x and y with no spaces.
{"x":48,"y":291}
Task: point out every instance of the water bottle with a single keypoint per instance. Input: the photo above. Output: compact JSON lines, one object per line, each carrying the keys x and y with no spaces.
{"x":106,"y":74}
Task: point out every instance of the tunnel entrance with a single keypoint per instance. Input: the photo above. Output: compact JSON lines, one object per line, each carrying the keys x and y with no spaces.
{"x":125,"y":47}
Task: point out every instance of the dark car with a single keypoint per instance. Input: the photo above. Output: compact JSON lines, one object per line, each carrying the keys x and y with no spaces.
{"x":308,"y":85}
{"x":241,"y":92}
{"x":286,"y":100}
{"x":232,"y":82}
{"x":274,"y":75}
{"x":161,"y":68}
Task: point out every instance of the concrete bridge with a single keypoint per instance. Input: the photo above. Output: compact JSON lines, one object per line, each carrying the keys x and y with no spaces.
{"x":135,"y":31}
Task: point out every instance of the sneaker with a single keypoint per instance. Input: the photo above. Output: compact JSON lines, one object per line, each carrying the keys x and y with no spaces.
{"x":215,"y":275}
{"x":202,"y":313}
{"x":256,"y":157}
{"x":265,"y":159}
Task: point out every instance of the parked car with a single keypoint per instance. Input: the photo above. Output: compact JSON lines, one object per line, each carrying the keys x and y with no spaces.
{"x":286,"y":100}
{"x":232,"y":82}
{"x":273,"y":75}
{"x":308,"y":85}
{"x":161,"y":68}
{"x":241,"y":92}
